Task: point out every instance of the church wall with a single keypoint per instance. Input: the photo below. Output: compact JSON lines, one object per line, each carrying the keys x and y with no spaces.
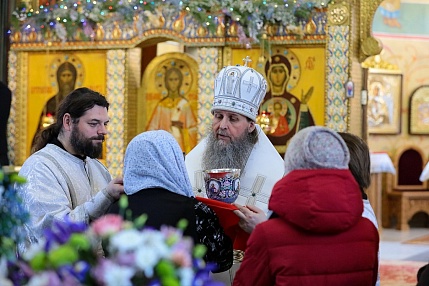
{"x":412,"y":58}
{"x":404,"y":45}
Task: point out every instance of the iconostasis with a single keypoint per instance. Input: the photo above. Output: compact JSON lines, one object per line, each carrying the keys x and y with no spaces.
{"x":307,"y":73}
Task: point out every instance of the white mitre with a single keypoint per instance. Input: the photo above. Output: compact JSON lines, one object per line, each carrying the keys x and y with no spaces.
{"x":241,"y":89}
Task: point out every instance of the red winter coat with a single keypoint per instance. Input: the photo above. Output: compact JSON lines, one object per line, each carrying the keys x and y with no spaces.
{"x":319,"y":237}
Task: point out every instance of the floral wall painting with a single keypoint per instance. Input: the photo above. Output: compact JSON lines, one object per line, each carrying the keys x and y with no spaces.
{"x":401,"y":17}
{"x":389,"y":14}
{"x":384,"y":102}
{"x":419,"y":111}
{"x":168,"y":98}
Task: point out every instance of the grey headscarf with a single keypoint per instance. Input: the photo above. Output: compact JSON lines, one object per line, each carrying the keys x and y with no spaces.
{"x":153,"y":159}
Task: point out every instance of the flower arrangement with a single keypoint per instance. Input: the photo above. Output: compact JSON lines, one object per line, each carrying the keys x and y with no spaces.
{"x":71,"y":254}
{"x":12,"y":214}
{"x":65,"y":17}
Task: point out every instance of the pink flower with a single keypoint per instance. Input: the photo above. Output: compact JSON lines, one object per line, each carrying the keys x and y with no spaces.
{"x":107,"y":225}
{"x":181,"y":252}
{"x":182,"y":258}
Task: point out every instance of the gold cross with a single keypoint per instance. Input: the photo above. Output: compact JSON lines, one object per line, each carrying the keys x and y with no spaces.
{"x":246,"y":60}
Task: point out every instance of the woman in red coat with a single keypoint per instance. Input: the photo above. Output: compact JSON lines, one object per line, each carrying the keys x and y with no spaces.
{"x":316,"y":235}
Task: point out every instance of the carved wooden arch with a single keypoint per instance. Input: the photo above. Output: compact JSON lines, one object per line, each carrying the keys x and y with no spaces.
{"x":369,"y":45}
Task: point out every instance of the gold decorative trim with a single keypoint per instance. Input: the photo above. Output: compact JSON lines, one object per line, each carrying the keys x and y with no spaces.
{"x":152,"y":35}
{"x":226,"y":57}
{"x":376,"y":62}
{"x":339,"y":38}
{"x":21,"y":105}
{"x":338,"y":14}
{"x":369,"y":45}
{"x":120,"y":44}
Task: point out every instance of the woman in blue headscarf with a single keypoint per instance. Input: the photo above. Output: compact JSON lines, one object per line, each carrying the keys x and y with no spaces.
{"x":157,"y":184}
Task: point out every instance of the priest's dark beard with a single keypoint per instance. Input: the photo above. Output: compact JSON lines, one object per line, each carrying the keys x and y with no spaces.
{"x":219,"y":155}
{"x":84,"y":145}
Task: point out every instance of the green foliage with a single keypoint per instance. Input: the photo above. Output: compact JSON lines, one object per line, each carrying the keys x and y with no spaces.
{"x":67,"y":18}
{"x":13,"y":215}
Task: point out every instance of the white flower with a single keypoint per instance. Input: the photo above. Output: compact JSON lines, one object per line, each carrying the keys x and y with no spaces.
{"x":151,"y":251}
{"x":156,"y":241}
{"x":186,"y":276}
{"x":126,"y":240}
{"x":118,"y":275}
{"x":146,"y":259}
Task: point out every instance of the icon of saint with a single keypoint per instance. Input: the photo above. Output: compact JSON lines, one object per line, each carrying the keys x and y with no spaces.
{"x":296,"y":114}
{"x":173,"y":112}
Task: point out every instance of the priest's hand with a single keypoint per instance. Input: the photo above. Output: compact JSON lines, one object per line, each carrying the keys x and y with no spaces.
{"x":249,"y":216}
{"x":115,"y":188}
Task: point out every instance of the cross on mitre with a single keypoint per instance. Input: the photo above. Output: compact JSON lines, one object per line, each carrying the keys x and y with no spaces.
{"x":246,"y":60}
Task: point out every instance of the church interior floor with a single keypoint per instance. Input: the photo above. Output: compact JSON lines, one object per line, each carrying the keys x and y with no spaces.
{"x":393,"y":245}
{"x":402,"y":253}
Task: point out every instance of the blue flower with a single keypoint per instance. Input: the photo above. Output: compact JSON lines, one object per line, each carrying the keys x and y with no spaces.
{"x":61,"y":231}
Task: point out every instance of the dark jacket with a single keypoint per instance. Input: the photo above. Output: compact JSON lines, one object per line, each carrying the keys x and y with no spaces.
{"x":5,"y":103}
{"x":423,"y":276}
{"x":167,"y":208}
{"x":319,"y":237}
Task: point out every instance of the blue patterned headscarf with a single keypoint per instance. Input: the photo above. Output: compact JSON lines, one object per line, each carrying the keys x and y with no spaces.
{"x":153,"y":159}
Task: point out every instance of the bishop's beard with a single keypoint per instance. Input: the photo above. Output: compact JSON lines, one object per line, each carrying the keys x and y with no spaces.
{"x":234,"y":154}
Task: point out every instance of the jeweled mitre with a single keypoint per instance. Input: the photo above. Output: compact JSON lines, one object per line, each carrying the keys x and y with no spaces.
{"x":239,"y":89}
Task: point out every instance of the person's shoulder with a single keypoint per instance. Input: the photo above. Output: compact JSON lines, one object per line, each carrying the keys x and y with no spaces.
{"x":39,"y":156}
{"x":203,"y":210}
{"x":37,"y":162}
{"x":201,"y":206}
{"x":51,"y":154}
